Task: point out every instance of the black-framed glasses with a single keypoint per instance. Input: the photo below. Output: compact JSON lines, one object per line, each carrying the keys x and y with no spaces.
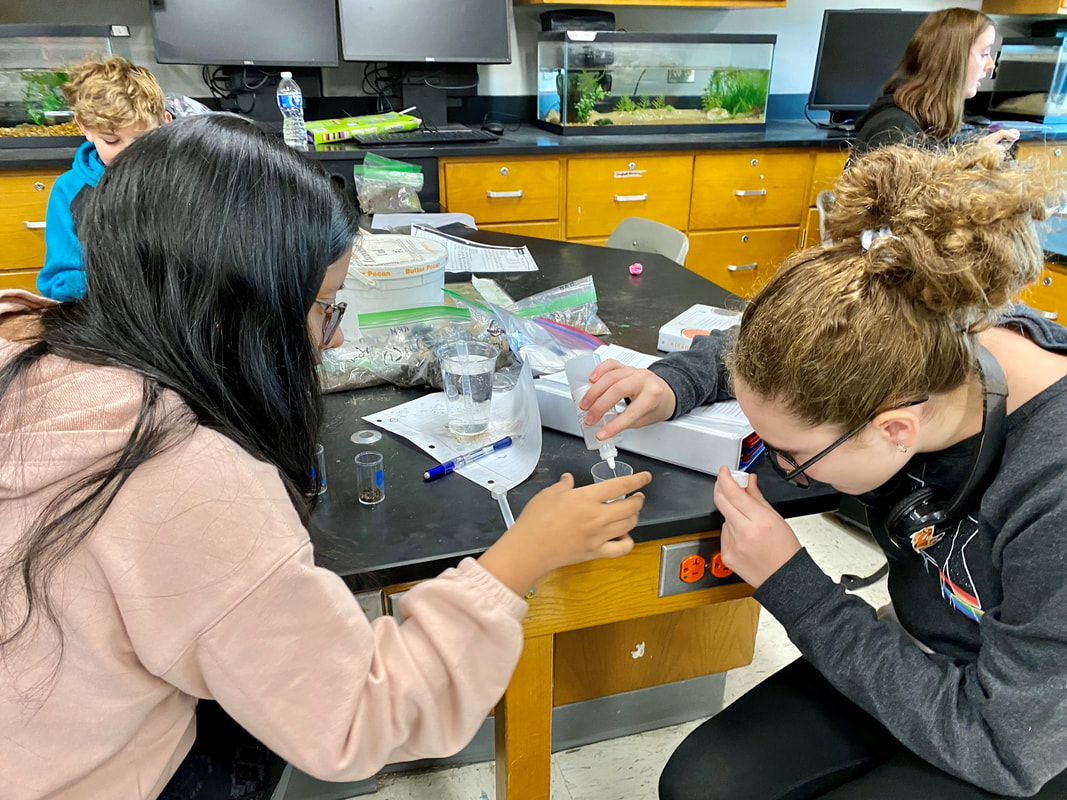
{"x":331,"y":319}
{"x":786,"y":466}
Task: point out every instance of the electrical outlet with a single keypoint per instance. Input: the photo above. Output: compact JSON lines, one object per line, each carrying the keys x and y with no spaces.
{"x":681,"y":75}
{"x":691,"y":566}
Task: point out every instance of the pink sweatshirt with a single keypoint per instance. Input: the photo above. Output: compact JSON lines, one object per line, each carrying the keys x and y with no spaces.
{"x":199,"y":581}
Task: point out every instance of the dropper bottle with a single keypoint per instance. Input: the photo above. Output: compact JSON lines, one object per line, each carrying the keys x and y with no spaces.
{"x":577,"y":370}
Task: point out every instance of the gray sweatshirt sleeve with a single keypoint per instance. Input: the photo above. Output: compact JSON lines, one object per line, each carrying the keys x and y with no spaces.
{"x":697,"y":376}
{"x":999,"y":721}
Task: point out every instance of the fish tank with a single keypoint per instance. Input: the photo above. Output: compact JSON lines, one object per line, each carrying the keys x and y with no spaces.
{"x":608,"y":82}
{"x":1030,"y":81}
{"x":34,"y":60}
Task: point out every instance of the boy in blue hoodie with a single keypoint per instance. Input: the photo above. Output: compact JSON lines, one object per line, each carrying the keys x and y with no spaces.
{"x":114,"y":102}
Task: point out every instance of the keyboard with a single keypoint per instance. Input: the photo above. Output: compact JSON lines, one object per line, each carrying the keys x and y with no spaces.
{"x":425,"y":136}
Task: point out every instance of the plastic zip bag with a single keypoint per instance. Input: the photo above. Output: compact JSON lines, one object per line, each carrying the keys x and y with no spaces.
{"x":398,"y":347}
{"x":385,"y":185}
{"x":573,"y":304}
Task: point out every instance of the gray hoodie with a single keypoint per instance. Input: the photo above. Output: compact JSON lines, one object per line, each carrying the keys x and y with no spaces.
{"x":988,"y":595}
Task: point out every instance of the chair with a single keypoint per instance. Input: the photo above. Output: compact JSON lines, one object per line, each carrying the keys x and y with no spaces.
{"x":824,"y":201}
{"x":649,"y":236}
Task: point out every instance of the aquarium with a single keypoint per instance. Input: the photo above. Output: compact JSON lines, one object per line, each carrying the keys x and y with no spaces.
{"x":594,"y":82}
{"x":34,"y":60}
{"x":1030,"y":81}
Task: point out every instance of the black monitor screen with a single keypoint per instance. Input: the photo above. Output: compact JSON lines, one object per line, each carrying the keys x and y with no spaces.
{"x":289,"y":33}
{"x":459,"y":31}
{"x":858,"y":53}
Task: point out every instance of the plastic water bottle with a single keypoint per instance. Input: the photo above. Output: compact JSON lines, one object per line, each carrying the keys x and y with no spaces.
{"x":291,"y":104}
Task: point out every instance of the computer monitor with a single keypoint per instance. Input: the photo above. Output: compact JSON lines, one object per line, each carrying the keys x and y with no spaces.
{"x":432,"y":45}
{"x":426,"y":31}
{"x":284,"y":33}
{"x":858,"y":52}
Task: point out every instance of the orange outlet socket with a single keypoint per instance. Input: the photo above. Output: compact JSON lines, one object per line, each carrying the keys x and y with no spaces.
{"x":692,"y":568}
{"x":718,"y":569}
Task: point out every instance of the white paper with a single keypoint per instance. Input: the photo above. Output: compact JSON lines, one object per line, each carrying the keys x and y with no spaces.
{"x":725,"y":413}
{"x":467,"y":256}
{"x":394,"y":222}
{"x":424,"y":422}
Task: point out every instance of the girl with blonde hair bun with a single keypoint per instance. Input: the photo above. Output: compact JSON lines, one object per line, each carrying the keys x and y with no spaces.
{"x":874,"y":365}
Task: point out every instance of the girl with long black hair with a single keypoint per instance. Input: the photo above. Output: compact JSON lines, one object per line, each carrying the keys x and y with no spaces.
{"x":155,"y":443}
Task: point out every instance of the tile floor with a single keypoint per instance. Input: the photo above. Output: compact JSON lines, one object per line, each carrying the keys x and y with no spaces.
{"x":628,"y":768}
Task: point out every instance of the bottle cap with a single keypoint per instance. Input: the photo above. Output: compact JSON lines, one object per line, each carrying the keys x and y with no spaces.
{"x":608,"y":450}
{"x":286,"y":75}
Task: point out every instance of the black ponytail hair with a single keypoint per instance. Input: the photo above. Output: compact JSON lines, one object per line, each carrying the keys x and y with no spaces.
{"x":206,"y":243}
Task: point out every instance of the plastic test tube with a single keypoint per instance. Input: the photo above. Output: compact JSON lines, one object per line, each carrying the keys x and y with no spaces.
{"x":370,"y":477}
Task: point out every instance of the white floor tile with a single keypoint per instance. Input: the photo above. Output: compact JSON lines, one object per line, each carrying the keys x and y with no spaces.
{"x":628,"y":768}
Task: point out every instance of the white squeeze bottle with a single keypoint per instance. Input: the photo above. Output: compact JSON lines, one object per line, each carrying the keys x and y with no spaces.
{"x":291,"y":104}
{"x":578,"y":369}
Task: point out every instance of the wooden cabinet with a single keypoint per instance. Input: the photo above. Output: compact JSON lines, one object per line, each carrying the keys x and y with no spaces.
{"x":826,"y":170}
{"x":604,"y":190}
{"x":23,"y":203}
{"x":740,"y":260}
{"x":1024,"y":6}
{"x":744,"y":210}
{"x":505,"y":192}
{"x":1049,"y":294}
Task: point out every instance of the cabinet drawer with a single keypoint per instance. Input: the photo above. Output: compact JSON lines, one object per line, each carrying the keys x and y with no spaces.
{"x":601,"y":192}
{"x":504,"y":190}
{"x":827,"y":169}
{"x":1051,"y":154}
{"x":23,"y":203}
{"x":1049,"y":295}
{"x":19,"y":279}
{"x":740,"y":261}
{"x":750,"y":189}
{"x":539,"y":230}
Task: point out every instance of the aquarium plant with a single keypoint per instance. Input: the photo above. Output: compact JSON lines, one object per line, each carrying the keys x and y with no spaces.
{"x":44,"y":92}
{"x":589,"y":91}
{"x":736,"y":90}
{"x":625,"y":104}
{"x":643,"y":103}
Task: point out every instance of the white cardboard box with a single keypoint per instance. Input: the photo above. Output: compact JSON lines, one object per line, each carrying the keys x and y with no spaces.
{"x":703,"y":440}
{"x":697,"y":320}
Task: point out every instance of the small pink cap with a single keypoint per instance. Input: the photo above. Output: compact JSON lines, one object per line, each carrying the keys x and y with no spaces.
{"x":636,"y":269}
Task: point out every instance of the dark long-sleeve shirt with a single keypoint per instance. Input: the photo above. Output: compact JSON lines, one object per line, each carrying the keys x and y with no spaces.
{"x":988,"y":594}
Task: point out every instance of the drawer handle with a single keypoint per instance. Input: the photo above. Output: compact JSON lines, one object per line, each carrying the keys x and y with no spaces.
{"x":33,"y":225}
{"x":631,"y":198}
{"x":516,"y":193}
{"x":1051,"y":315}
{"x":750,"y":192}
{"x":741,"y":267}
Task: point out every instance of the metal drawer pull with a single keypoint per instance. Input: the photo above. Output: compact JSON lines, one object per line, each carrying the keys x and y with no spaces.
{"x":741,"y":267}
{"x":631,"y":198}
{"x":516,"y":193}
{"x":1051,"y":315}
{"x":750,"y":192}
{"x":33,"y":225}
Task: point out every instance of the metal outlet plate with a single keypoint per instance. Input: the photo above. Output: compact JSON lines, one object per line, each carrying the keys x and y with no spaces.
{"x":670,"y":564}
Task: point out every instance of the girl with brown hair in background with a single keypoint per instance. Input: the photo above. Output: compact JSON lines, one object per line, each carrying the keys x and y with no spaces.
{"x":942,"y":67}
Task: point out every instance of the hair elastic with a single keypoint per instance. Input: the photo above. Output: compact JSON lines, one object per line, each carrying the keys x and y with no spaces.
{"x":869,"y":236}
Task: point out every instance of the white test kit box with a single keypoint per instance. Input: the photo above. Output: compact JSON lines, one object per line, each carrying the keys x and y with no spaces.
{"x":704,"y":440}
{"x":697,"y":320}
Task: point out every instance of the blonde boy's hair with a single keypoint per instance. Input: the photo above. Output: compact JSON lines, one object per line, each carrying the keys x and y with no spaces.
{"x":113,"y":93}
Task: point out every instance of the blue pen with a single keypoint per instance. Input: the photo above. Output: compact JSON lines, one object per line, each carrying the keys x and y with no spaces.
{"x":468,"y":458}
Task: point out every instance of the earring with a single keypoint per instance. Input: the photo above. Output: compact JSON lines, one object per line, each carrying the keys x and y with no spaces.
{"x":901,"y":448}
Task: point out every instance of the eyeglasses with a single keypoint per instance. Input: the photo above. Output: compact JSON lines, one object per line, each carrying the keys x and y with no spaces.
{"x":786,"y":466}
{"x":331,"y":320}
